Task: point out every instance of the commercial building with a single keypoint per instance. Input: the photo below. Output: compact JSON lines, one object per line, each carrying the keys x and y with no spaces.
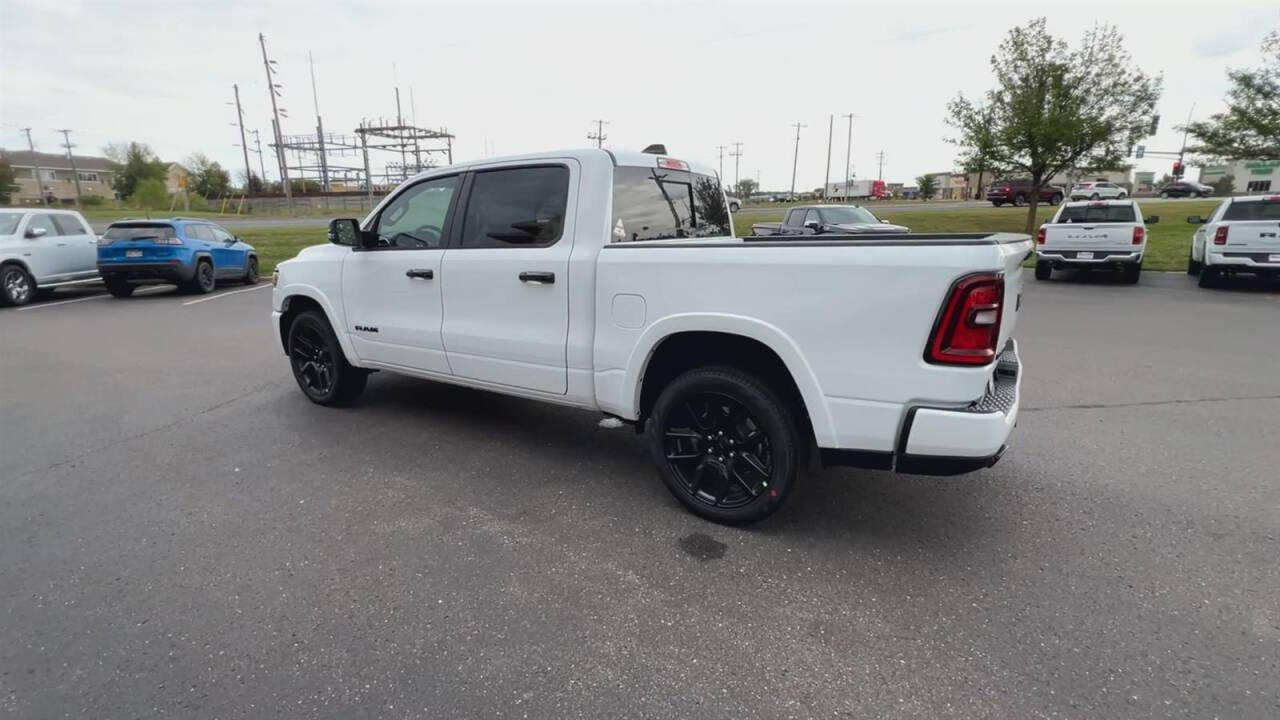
{"x":57,"y":178}
{"x":1249,"y":176}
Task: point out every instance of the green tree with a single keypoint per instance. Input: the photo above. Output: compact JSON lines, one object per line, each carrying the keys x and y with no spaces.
{"x":980,"y":156}
{"x":1224,"y":186}
{"x":253,"y":184}
{"x":7,"y":184}
{"x":150,"y":194}
{"x":744,"y":188}
{"x":208,"y":178}
{"x":134,"y":162}
{"x":928,"y":186}
{"x":1250,"y":128}
{"x":1054,"y":108}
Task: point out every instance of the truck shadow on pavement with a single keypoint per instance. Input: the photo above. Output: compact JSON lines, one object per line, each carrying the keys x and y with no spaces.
{"x":568,"y":452}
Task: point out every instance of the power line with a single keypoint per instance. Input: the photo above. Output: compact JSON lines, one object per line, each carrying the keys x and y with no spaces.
{"x":39,"y":180}
{"x":599,"y":135}
{"x":275,"y":121}
{"x":795,"y":160}
{"x":66,"y":135}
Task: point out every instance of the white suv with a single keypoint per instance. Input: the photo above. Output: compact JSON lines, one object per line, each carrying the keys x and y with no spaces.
{"x":1098,"y":191}
{"x":44,"y":249}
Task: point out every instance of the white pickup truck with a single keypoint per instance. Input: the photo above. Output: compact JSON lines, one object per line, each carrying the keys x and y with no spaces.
{"x":611,"y":281}
{"x":1109,"y":234}
{"x":1242,"y":235}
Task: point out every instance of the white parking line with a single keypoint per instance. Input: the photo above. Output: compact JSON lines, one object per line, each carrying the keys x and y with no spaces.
{"x":259,"y":286}
{"x":150,"y":288}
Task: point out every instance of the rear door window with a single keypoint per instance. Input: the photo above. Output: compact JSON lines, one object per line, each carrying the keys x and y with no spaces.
{"x":1255,"y":210}
{"x":1097,"y":214}
{"x":516,"y":207}
{"x":651,"y":203}
{"x":9,"y":222}
{"x":69,"y":225}
{"x":199,"y":232}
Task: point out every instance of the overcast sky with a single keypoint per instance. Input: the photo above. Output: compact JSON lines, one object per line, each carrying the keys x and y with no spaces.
{"x":517,"y":77}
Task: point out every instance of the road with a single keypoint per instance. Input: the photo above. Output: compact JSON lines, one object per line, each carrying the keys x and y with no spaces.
{"x":185,"y":535}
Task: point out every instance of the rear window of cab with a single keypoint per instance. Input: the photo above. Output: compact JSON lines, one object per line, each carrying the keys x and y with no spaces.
{"x":1096,"y":214}
{"x":1253,"y":210}
{"x":655,"y":203}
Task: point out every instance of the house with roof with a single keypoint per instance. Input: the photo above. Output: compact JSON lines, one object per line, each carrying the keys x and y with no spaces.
{"x":57,"y":178}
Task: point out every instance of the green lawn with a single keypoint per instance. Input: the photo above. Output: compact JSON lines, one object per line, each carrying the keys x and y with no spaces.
{"x":1167,"y":244}
{"x":277,"y":244}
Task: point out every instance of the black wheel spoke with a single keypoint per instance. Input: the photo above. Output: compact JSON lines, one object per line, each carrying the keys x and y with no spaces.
{"x":696,"y":481}
{"x":756,"y":465}
{"x":717,"y":450}
{"x":683,"y":433}
{"x":696,"y":418}
{"x":683,"y":456}
{"x":745,"y":485}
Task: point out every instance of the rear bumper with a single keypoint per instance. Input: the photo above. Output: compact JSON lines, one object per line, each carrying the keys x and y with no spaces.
{"x":1100,"y":257}
{"x":952,"y":441}
{"x":158,"y":271}
{"x":1244,"y":260}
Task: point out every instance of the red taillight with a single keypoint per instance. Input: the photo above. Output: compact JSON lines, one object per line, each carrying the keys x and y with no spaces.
{"x":1040,"y":236}
{"x":969,"y":326}
{"x":1220,"y":237}
{"x":1138,"y":233}
{"x":1273,"y":198}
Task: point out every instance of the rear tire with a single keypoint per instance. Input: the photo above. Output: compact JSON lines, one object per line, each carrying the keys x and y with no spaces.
{"x":120,"y":290}
{"x":203,"y":281}
{"x":997,"y":204}
{"x":1093,"y":196}
{"x":1043,"y":270}
{"x":1132,"y":272}
{"x":1122,"y":196}
{"x":319,"y":366}
{"x":16,"y":286}
{"x":1056,"y":199}
{"x":1164,"y":195}
{"x":1193,"y":266}
{"x":1019,"y":200}
{"x":251,"y":272}
{"x":725,"y":444}
{"x":1209,"y":276}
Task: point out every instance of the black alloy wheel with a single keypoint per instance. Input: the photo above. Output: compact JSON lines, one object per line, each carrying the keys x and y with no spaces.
{"x":204,"y":281}
{"x":313,"y":362}
{"x":718,"y":452}
{"x":251,"y":271}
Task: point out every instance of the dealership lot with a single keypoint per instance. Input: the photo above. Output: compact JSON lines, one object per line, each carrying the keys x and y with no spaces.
{"x":186,"y":535}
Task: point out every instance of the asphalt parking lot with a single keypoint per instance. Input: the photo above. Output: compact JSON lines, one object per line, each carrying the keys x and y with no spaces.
{"x":185,"y":535}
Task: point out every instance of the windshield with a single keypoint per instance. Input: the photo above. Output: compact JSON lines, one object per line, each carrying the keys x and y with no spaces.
{"x":847,"y":216}
{"x":138,"y":231}
{"x":1096,"y":214}
{"x":1254,"y":210}
{"x":9,"y":222}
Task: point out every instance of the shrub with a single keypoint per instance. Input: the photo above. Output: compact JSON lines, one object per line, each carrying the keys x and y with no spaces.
{"x":150,"y":195}
{"x":93,"y":201}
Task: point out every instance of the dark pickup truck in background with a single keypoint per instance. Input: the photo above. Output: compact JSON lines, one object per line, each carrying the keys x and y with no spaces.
{"x":1018,"y":193}
{"x":818,"y":219}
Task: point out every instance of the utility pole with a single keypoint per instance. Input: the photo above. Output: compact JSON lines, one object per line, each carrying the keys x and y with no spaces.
{"x":795,"y":160}
{"x":1182,"y":166}
{"x":66,"y":135}
{"x":736,"y":154}
{"x":880,"y":170}
{"x":826,"y":178}
{"x":721,"y":149}
{"x":39,"y":180}
{"x":257,"y":139}
{"x":315,"y":99}
{"x":275,"y":113}
{"x":848,"y":158}
{"x":244,"y":145}
{"x":599,"y":135}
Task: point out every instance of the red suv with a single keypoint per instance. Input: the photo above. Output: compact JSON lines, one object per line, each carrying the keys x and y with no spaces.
{"x":1018,"y":192}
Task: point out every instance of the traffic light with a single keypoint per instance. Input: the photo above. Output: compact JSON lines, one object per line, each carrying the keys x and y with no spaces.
{"x":1142,"y":150}
{"x":1177,"y":169}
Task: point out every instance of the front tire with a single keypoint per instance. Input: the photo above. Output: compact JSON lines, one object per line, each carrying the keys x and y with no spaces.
{"x":997,"y":204}
{"x":251,"y":272}
{"x":1055,"y":199}
{"x":1094,"y":196}
{"x":16,"y":286}
{"x":319,"y":366}
{"x":1043,"y":270}
{"x":725,"y":444}
{"x":1122,"y":196}
{"x":1019,"y":200}
{"x":1164,"y":196}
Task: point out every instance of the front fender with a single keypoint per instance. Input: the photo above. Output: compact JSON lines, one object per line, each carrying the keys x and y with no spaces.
{"x":768,"y":335}
{"x":284,"y":294}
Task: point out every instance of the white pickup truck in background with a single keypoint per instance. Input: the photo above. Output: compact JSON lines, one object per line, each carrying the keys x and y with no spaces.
{"x":1108,"y":234}
{"x":611,"y":281}
{"x":1241,"y":236}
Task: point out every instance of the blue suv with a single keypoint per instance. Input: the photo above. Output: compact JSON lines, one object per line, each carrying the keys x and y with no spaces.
{"x":193,"y":254}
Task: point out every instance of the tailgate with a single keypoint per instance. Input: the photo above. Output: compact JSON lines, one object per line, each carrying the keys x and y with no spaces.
{"x":1263,"y":235}
{"x":1014,"y":254}
{"x":138,"y":242}
{"x":1096,"y":236}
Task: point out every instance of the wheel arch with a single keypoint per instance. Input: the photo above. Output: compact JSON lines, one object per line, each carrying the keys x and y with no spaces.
{"x":677,"y":344}
{"x":299,"y":299}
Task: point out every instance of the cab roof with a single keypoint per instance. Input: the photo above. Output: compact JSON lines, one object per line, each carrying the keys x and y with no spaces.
{"x":618,"y":158}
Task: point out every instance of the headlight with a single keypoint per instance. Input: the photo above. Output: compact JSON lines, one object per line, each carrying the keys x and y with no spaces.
{"x":275,"y":276}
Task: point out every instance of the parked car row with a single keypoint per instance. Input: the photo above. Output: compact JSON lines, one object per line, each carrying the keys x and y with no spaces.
{"x":835,"y":219}
{"x":1242,"y":235}
{"x":43,"y":250}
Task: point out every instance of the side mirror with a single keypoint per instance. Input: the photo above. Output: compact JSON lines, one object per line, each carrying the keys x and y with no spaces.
{"x":814,"y":225}
{"x":34,"y":233}
{"x":883,"y":221}
{"x":1195,"y":219}
{"x":344,"y":231}
{"x":1151,"y":220}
